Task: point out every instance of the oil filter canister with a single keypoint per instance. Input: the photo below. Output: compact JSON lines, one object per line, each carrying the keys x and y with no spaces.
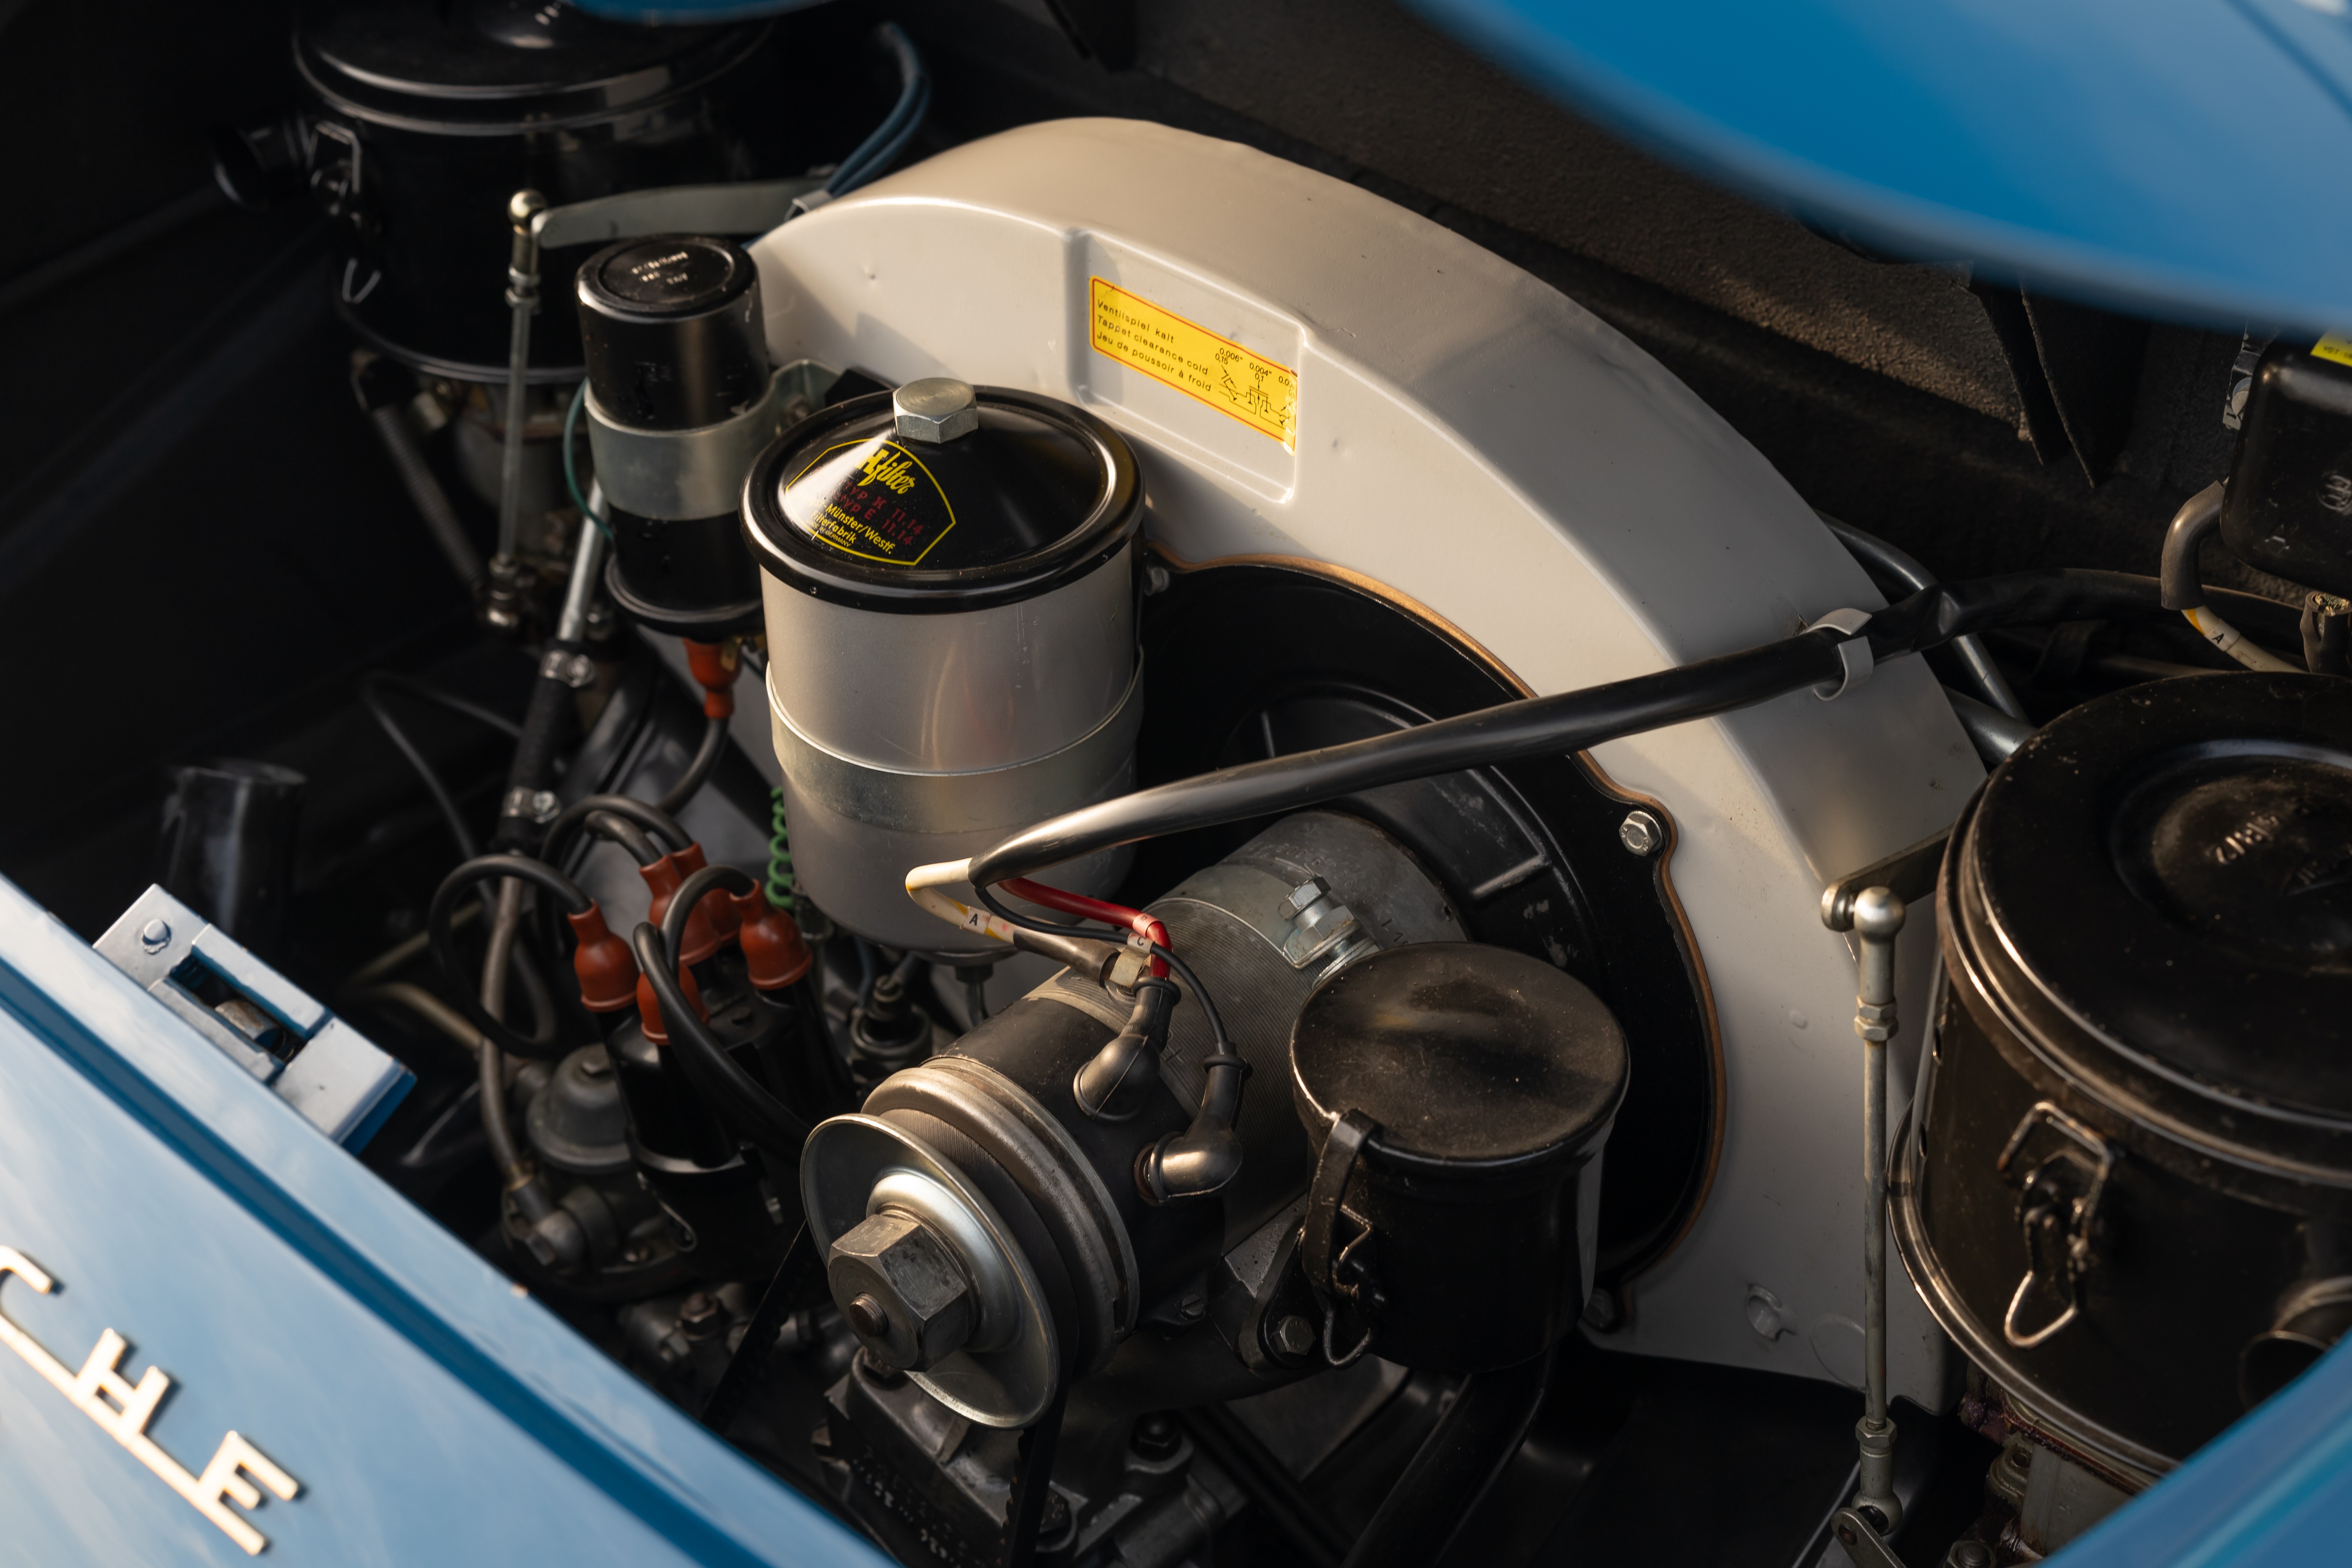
{"x":1461,"y":1094}
{"x":950,"y":579}
{"x":681,"y":400}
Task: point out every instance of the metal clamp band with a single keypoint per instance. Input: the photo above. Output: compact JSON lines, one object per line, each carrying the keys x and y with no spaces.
{"x":961,"y":801}
{"x":1854,"y":653}
{"x":678,"y":474}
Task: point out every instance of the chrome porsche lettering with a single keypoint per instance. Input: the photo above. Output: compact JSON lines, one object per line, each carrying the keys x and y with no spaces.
{"x":123,"y":1409}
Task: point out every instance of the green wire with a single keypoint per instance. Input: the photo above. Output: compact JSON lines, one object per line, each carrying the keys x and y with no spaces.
{"x":780,"y":860}
{"x":571,"y":471}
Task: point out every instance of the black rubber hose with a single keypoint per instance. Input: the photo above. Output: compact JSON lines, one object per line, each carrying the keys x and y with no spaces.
{"x":736,"y":1096}
{"x":697,"y":772}
{"x":385,"y":389}
{"x":1537,"y":727}
{"x":573,"y":818}
{"x":370,"y":693}
{"x":1455,"y":1466}
{"x":409,"y":687}
{"x":692,"y":891}
{"x":484,"y":868}
{"x":617,"y":829}
{"x":1566,"y":721}
{"x":546,"y":722}
{"x":2189,"y":528}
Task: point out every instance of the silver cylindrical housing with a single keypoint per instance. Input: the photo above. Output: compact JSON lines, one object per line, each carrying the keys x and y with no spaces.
{"x":951,"y":638}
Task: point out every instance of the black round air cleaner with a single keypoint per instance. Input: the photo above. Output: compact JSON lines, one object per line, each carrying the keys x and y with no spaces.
{"x":949,"y":576}
{"x":428,"y":115}
{"x":2135,"y":1167}
{"x":681,"y":400}
{"x":1462,"y":1095}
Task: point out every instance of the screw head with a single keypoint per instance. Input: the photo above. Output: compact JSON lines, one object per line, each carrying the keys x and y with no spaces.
{"x":1294,"y":1335}
{"x":1156,"y":1436}
{"x":936,"y":409}
{"x":155,"y":935}
{"x":1306,"y":892}
{"x":701,"y":1315}
{"x":1641,"y":832}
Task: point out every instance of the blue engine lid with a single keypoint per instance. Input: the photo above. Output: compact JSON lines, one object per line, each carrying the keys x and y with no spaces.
{"x":220,"y":1335}
{"x":2179,"y":158}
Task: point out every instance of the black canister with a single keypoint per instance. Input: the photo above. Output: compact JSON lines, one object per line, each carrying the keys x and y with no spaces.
{"x":679,"y":402}
{"x":1461,"y":1094}
{"x":425,"y":116}
{"x":2128,"y":1190}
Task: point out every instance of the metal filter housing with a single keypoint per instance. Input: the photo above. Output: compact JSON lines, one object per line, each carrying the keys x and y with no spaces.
{"x":952,"y":638}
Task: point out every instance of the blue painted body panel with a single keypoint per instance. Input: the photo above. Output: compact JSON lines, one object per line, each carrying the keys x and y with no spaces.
{"x":430,"y":1412}
{"x":2273,"y":1492}
{"x":2185,"y":158}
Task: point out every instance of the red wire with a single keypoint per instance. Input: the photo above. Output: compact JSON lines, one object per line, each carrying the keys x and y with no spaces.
{"x":1085,"y":908}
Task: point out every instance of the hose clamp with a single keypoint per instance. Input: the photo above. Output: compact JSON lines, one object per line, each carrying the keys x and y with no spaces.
{"x":1855,"y":651}
{"x":675,"y":475}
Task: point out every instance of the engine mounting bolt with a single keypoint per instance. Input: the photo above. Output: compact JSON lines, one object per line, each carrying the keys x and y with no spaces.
{"x":1294,"y":1335}
{"x":702,"y":1316}
{"x":1641,"y":832}
{"x":867,"y":1317}
{"x":155,"y":935}
{"x":1156,"y":1436}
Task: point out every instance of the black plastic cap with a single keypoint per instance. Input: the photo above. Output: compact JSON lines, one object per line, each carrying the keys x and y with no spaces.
{"x":673,"y":331}
{"x":2158,"y":886}
{"x":845,"y":508}
{"x":1473,"y":1059}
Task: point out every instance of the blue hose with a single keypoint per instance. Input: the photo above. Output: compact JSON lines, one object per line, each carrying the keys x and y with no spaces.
{"x":890,"y":138}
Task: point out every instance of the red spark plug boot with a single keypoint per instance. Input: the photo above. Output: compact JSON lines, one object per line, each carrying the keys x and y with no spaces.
{"x":773,"y":949}
{"x":606,"y":968}
{"x":715,"y":666}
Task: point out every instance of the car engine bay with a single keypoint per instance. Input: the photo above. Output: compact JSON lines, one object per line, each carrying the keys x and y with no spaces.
{"x":1179,"y":786}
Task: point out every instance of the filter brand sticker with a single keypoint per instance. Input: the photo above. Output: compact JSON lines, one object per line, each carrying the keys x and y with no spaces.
{"x":871,"y":498}
{"x":1163,"y":345}
{"x":2333,"y":347}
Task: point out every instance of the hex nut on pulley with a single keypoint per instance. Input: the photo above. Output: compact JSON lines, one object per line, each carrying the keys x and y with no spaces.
{"x":905,"y":1299}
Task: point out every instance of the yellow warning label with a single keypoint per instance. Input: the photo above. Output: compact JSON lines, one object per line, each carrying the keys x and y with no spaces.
{"x":2335,"y":348}
{"x":1195,"y":361}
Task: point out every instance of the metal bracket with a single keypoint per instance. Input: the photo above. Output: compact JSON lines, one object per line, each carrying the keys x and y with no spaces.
{"x":340,"y":1082}
{"x":1322,"y":1258}
{"x":1862,"y":1540}
{"x":2058,"y":1212}
{"x":1854,"y":653}
{"x":1909,"y":873}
